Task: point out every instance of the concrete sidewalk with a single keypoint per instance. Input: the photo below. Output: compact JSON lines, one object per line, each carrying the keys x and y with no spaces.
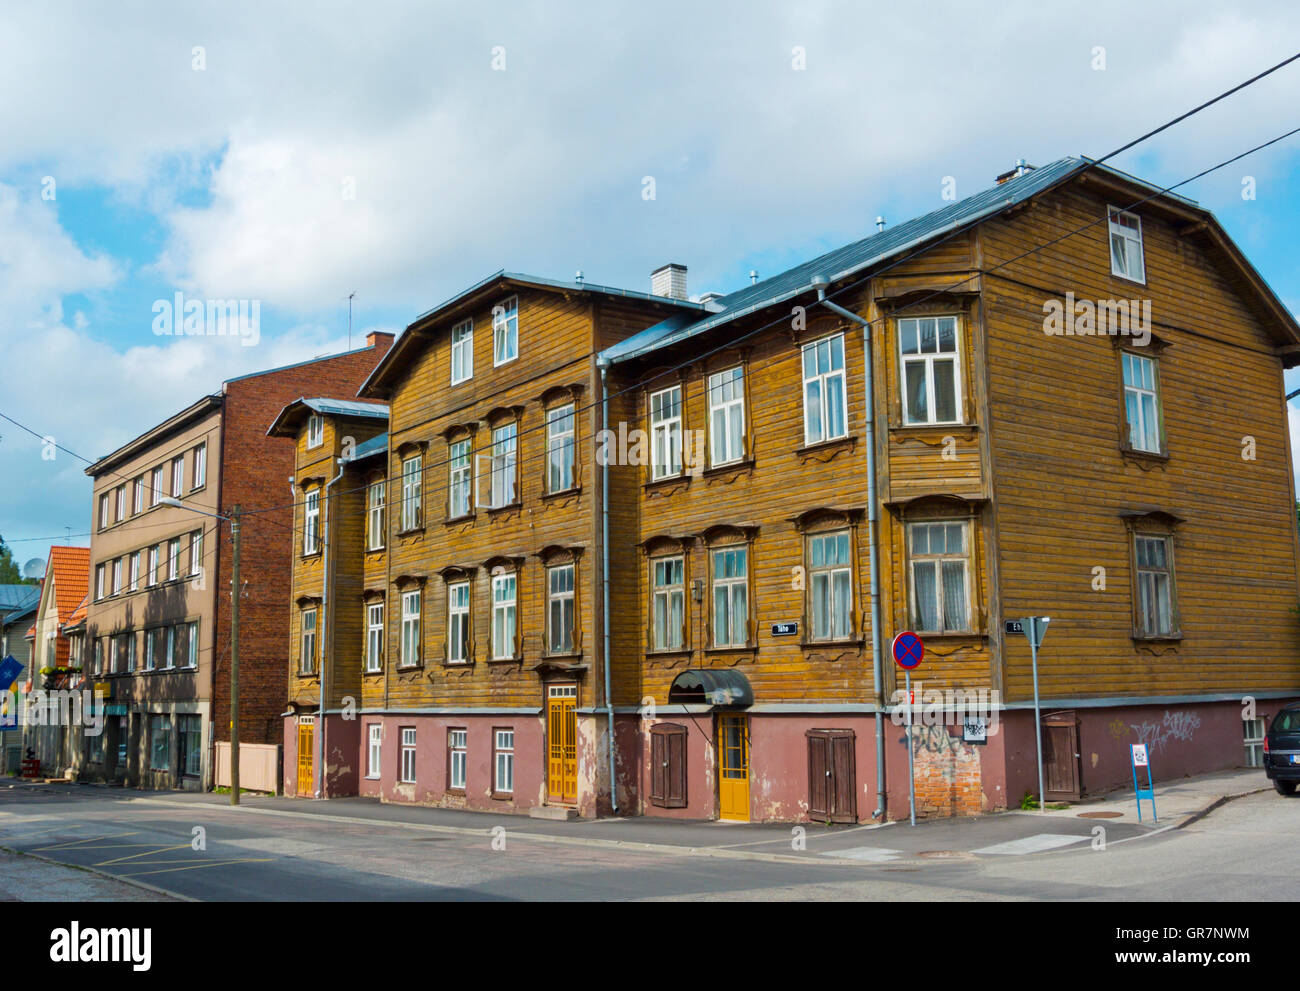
{"x":1013,"y":833}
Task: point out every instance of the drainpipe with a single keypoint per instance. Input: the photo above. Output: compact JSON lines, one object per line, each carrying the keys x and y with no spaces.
{"x":873,"y":534}
{"x":324,"y":629}
{"x":603,"y":364}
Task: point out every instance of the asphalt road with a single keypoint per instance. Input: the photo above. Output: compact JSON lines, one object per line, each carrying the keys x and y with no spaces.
{"x":1244,"y":850}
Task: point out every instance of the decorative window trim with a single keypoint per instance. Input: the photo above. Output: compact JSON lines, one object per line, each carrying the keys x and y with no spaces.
{"x":1127,"y":450}
{"x":723,"y":537}
{"x":503,"y":314}
{"x":958,"y":355}
{"x":745,"y":457}
{"x":1126,"y":234}
{"x":1154,"y":523}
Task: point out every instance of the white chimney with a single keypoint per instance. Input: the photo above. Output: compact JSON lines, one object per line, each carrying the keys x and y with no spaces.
{"x":880,"y":224}
{"x":669,"y":280}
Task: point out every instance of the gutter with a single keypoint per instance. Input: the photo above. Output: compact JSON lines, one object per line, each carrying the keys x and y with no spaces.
{"x":603,"y":364}
{"x":873,"y":534}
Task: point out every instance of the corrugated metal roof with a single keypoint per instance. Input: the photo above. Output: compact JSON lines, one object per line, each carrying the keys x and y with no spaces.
{"x":869,"y":251}
{"x":375,"y":445}
{"x":347,"y":407}
{"x":18,"y":596}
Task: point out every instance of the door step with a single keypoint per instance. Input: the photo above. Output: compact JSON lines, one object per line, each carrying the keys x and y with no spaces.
{"x":558,"y":812}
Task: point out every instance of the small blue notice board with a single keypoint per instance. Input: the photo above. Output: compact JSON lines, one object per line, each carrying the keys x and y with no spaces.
{"x":1140,"y":759}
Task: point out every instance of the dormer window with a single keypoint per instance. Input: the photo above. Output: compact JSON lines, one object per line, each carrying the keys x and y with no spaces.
{"x":505,"y":331}
{"x":315,"y":430}
{"x":1126,"y":258}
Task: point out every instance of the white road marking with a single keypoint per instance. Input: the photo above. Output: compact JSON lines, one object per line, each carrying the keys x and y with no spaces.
{"x":1032,"y":844}
{"x":873,"y":854}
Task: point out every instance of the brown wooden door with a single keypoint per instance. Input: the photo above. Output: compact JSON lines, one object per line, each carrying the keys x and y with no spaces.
{"x":1061,"y":757}
{"x":668,"y":766}
{"x":832,"y":776}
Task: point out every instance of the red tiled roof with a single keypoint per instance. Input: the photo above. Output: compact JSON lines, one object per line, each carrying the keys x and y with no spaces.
{"x":30,"y":634}
{"x":79,"y":613}
{"x":70,"y":567}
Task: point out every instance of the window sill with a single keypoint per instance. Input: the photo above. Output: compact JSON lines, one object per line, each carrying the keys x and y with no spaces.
{"x":375,"y":550}
{"x":407,"y":668}
{"x":1158,"y":638}
{"x":950,"y":634}
{"x":1143,"y":459}
{"x":832,"y":644}
{"x":372,"y":674}
{"x":505,"y":660}
{"x":732,"y":649}
{"x":456,"y":520}
{"x":503,"y":796}
{"x":825,"y":450}
{"x":456,"y":791}
{"x":562,"y":655}
{"x":1130,"y":280}
{"x":682,"y":651}
{"x":411,"y":532}
{"x":668,"y":481}
{"x":458,"y":664}
{"x":574,"y":490}
{"x":508,"y":507}
{"x":308,"y":554}
{"x":739,"y":465}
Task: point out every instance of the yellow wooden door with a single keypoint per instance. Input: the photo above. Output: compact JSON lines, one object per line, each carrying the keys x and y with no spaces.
{"x":733,"y":767}
{"x":306,"y":755}
{"x":562,"y":743}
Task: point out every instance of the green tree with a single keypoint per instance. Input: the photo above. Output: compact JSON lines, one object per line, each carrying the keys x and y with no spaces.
{"x":9,"y":573}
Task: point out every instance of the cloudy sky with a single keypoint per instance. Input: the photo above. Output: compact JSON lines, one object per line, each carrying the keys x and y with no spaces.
{"x":210,"y":149}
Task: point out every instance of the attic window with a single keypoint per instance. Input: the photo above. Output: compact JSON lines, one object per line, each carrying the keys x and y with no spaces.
{"x":315,"y":430}
{"x":1126,"y":259}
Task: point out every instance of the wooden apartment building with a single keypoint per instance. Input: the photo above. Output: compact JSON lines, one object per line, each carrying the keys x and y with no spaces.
{"x":1134,"y":484}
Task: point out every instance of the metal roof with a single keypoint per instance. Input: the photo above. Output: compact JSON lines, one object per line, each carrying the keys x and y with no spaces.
{"x":286,"y":421}
{"x":377,"y":444}
{"x":869,"y":251}
{"x":18,"y":596}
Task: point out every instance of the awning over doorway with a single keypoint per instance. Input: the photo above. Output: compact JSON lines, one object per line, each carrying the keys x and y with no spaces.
{"x":724,"y":688}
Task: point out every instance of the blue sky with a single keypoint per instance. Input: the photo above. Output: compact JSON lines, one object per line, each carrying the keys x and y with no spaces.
{"x":229,"y":179}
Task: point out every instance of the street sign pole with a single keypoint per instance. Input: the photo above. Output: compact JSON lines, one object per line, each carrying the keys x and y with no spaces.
{"x":1038,"y":718}
{"x":911,"y":770}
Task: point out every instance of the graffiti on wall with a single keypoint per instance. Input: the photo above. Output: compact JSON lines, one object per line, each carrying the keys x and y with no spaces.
{"x":1180,"y":726}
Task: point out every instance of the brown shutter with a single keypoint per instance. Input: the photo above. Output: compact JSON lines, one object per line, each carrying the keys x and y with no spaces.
{"x":844,"y":778}
{"x":668,"y":765}
{"x":819,"y":783}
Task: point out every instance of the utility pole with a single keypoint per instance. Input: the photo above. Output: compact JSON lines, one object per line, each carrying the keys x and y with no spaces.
{"x":234,"y":657}
{"x":350,"y":295}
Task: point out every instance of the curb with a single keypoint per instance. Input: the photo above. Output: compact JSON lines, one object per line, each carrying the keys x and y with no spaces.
{"x":145,"y":885}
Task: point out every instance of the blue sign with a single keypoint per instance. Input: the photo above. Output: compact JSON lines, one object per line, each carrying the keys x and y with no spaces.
{"x":10,"y":669}
{"x":908,"y":650}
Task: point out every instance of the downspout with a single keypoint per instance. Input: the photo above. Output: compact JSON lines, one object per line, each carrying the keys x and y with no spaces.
{"x":603,"y":364}
{"x":324,"y":630}
{"x":873,"y":533}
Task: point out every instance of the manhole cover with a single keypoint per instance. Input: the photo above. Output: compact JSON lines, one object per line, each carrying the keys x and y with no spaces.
{"x":1101,"y":815}
{"x":947,"y":854}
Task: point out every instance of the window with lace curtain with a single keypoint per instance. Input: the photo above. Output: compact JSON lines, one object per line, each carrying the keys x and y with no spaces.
{"x":939,"y":566}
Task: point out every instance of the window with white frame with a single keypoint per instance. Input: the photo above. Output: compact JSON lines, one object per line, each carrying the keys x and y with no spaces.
{"x":191,"y":655}
{"x":559,"y":609}
{"x":150,"y":649}
{"x":560,"y":448}
{"x":457,"y":758}
{"x":375,"y":751}
{"x":462,"y":352}
{"x":315,"y":430}
{"x":121,"y":503}
{"x":458,"y":478}
{"x":939,"y":567}
{"x":830,"y":585}
{"x":458,"y":622}
{"x":504,"y":588}
{"x":1126,"y":258}
{"x":376,"y":518}
{"x":130,"y":653}
{"x":824,"y":413}
{"x":135,"y":570}
{"x":99,"y":581}
{"x":502,"y":482}
{"x":928,"y":352}
{"x":97,"y":657}
{"x":151,"y":576}
{"x":730,"y":596}
{"x":311,"y":523}
{"x":169,"y":656}
{"x":307,"y":644}
{"x":173,"y":558}
{"x":505,"y":331}
{"x":410,"y":628}
{"x":374,"y":636}
{"x":666,"y":433}
{"x":1253,"y":732}
{"x":1155,"y":585}
{"x":105,"y":512}
{"x":503,"y":746}
{"x":411,"y":485}
{"x":1141,"y":402}
{"x":408,"y":755}
{"x":727,"y":416}
{"x":178,"y":476}
{"x":196,"y":552}
{"x":137,"y":498}
{"x":117,"y":575}
{"x":199,"y":474}
{"x":156,"y":488}
{"x":669,"y":606}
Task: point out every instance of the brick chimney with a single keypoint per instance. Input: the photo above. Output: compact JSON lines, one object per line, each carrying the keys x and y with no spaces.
{"x":379,"y":339}
{"x":669,"y":280}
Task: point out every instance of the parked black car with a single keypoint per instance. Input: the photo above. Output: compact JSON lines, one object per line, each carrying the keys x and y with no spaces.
{"x":1282,"y":750}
